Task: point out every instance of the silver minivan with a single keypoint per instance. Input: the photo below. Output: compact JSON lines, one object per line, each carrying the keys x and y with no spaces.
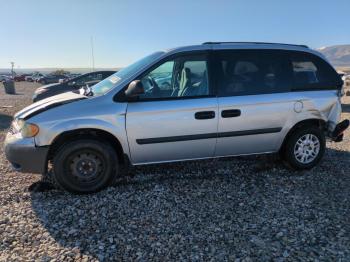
{"x":205,"y":101}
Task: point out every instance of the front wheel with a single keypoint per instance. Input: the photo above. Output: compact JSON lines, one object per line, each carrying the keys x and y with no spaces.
{"x":305,"y":147}
{"x":85,"y":166}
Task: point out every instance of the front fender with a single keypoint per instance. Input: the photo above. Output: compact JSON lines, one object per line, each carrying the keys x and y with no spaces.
{"x":115,"y":126}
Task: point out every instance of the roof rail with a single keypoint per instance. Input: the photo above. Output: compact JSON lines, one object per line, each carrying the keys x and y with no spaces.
{"x":258,"y":43}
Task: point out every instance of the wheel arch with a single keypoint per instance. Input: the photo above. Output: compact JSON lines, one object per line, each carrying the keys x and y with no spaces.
{"x":306,"y":122}
{"x":88,"y":133}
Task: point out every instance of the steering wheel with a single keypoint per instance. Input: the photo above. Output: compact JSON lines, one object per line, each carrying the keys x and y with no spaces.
{"x":154,"y":90}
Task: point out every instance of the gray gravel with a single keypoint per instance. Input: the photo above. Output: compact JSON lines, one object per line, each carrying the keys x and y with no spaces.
{"x":244,"y":209}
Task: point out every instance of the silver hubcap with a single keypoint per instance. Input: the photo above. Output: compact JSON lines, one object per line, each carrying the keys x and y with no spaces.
{"x":307,"y":148}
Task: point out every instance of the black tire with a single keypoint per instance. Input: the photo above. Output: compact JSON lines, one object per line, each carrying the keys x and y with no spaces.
{"x":85,"y":166}
{"x":289,"y":154}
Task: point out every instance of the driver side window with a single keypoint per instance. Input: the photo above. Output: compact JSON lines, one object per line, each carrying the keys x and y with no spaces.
{"x":159,"y":80}
{"x":182,"y":77}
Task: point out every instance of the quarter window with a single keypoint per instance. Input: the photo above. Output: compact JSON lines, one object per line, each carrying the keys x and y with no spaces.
{"x":305,"y":73}
{"x":311,"y":72}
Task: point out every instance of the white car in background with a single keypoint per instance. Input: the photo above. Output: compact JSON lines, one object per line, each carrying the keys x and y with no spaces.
{"x":346,"y":80}
{"x":33,"y":77}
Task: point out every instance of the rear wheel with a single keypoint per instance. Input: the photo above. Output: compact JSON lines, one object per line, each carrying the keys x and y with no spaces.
{"x":305,"y":148}
{"x":85,"y":166}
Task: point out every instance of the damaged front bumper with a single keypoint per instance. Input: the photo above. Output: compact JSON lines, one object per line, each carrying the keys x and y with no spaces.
{"x":24,"y":155}
{"x":338,"y":133}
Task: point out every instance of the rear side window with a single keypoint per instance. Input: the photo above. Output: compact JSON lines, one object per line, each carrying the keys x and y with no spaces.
{"x":252,"y":72}
{"x":312,"y":73}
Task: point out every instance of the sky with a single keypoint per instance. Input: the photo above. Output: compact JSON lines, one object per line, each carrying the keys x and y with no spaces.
{"x":48,"y":33}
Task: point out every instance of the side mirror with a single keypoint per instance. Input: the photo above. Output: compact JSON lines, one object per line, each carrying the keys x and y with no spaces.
{"x":134,"y":89}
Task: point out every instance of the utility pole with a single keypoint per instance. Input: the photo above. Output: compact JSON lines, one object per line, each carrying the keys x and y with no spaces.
{"x":92,"y":54}
{"x":12,"y":72}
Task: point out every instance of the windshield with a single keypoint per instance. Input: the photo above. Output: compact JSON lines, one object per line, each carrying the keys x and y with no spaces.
{"x":107,"y":84}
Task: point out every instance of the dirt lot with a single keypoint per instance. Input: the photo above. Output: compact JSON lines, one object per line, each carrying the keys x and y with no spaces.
{"x":247,"y":208}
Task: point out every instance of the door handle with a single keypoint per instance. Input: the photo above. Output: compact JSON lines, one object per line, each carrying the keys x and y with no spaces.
{"x":204,"y":115}
{"x":230,"y":113}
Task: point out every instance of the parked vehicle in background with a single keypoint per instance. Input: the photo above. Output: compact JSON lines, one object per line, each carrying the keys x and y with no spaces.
{"x":4,"y":78}
{"x":71,"y":76}
{"x":74,"y":84}
{"x":28,"y":78}
{"x":49,"y":79}
{"x":346,"y":79}
{"x":19,"y":78}
{"x":224,"y":99}
{"x":33,"y":77}
{"x":36,"y":78}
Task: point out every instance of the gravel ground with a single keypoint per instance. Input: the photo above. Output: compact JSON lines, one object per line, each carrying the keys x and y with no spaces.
{"x":244,"y":209}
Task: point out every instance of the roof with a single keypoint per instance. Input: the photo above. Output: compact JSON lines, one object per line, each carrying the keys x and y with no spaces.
{"x":243,"y":45}
{"x":253,"y":43}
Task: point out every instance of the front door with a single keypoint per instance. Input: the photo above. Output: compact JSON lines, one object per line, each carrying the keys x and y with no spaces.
{"x":177,"y":117}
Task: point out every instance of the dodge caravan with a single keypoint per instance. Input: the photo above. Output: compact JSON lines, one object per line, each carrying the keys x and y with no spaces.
{"x":205,"y":101}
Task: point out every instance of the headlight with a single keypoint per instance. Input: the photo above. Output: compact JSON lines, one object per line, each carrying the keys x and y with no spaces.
{"x":26,"y":129}
{"x":29,"y":130}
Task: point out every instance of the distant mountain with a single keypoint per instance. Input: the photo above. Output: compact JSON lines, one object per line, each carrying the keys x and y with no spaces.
{"x":338,"y":55}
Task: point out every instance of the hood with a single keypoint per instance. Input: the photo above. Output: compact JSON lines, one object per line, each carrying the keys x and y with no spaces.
{"x":47,"y":87}
{"x":48,"y":103}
